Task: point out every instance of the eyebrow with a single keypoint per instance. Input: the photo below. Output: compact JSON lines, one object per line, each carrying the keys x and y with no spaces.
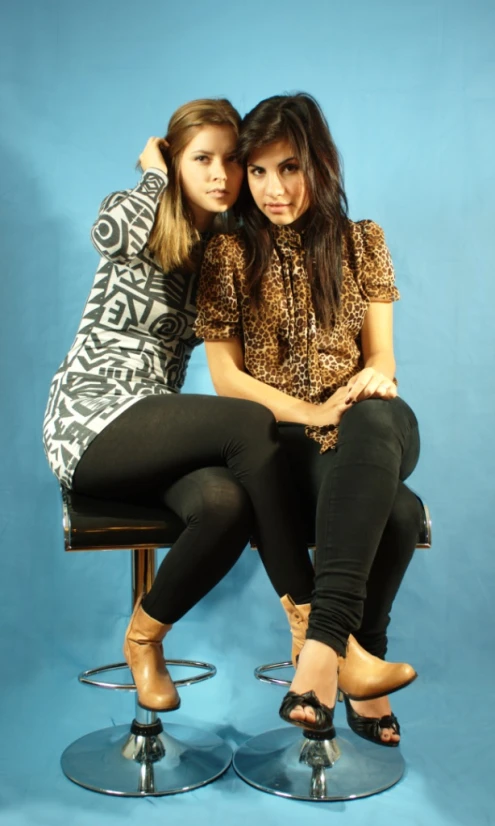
{"x":206,"y":152}
{"x":292,"y":158}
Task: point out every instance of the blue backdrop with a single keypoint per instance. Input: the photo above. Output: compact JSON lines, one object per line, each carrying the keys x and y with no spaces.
{"x":408,"y":89}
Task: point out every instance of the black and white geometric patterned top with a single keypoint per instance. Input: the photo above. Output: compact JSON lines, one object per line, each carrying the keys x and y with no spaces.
{"x":136,"y":334}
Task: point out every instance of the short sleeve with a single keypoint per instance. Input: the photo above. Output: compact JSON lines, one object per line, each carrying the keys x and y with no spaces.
{"x":219,"y":315}
{"x":375,"y":270}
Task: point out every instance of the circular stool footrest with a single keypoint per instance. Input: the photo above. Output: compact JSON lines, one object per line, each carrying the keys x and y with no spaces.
{"x":260,"y":673}
{"x":86,"y":677}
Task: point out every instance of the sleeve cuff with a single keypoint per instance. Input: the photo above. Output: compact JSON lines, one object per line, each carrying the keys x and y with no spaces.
{"x":161,"y":174}
{"x":383,"y":293}
{"x":217,"y":331}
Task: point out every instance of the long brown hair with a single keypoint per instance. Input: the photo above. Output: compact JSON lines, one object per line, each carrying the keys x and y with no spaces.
{"x":174,"y":235}
{"x":299,"y":120}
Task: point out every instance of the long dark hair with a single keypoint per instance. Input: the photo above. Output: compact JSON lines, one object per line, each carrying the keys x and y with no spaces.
{"x":299,"y":120}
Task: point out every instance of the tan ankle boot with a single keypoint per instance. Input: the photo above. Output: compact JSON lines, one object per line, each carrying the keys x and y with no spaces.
{"x":144,"y":654}
{"x":298,"y":616}
{"x":361,"y":675}
{"x":364,"y":677}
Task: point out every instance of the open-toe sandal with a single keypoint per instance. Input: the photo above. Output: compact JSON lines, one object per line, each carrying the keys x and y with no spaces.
{"x":370,"y":727}
{"x":323,"y":723}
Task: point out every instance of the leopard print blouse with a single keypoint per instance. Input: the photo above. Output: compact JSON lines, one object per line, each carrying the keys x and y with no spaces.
{"x":284,"y":344}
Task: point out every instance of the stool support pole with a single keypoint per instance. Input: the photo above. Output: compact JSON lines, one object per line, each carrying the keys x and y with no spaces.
{"x":143,"y":562}
{"x":143,"y":572}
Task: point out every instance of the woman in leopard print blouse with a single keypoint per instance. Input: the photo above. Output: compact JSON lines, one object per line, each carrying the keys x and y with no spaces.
{"x":297,"y":314}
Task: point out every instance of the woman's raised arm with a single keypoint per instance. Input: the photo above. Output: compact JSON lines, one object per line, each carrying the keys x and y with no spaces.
{"x":126,"y":218}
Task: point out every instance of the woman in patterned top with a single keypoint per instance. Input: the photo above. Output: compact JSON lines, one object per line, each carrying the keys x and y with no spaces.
{"x":296,"y":312}
{"x":117,"y":427}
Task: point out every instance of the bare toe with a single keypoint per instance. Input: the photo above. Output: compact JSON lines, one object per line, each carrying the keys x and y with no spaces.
{"x":389,"y":735}
{"x":310,"y":715}
{"x":304,"y":714}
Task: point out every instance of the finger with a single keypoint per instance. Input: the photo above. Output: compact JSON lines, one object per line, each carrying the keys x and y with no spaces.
{"x":359,"y":387}
{"x":340,"y":410}
{"x":340,"y":394}
{"x":355,"y":380}
{"x":386,"y":390}
{"x":371,"y":388}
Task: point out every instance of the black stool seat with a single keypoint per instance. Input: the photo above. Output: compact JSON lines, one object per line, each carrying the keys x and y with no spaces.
{"x":92,"y":524}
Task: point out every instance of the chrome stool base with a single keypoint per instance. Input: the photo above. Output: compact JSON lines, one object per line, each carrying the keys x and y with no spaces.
{"x":145,"y":760}
{"x":285,"y":763}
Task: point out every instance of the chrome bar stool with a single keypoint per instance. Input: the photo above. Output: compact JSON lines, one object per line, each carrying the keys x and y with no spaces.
{"x":297,"y":763}
{"x":142,"y":759}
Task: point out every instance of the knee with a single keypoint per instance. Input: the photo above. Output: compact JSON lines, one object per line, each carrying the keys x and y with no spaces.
{"x":255,"y":435}
{"x":372,"y":412}
{"x":229,"y":504}
{"x":220,"y":502}
{"x":257,"y":420}
{"x":375,"y":418}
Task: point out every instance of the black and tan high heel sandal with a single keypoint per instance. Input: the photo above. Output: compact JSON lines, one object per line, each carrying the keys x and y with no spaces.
{"x":370,"y":727}
{"x":323,"y":723}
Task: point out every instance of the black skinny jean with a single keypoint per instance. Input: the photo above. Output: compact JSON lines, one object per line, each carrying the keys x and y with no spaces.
{"x":217,"y":463}
{"x":367,"y":521}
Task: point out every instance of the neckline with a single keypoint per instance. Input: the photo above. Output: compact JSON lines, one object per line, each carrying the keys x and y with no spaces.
{"x":287,"y":233}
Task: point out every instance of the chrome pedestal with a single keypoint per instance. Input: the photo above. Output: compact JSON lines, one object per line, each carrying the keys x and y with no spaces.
{"x":285,"y":763}
{"x":145,"y":760}
{"x":288,"y":763}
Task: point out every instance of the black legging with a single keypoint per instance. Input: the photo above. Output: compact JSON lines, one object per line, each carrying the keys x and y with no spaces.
{"x":184,"y":451}
{"x":367,"y":522}
{"x":169,"y":449}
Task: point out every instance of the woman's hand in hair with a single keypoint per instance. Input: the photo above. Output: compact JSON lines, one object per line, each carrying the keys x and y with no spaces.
{"x":331,"y":411}
{"x":152,"y":155}
{"x":369,"y":384}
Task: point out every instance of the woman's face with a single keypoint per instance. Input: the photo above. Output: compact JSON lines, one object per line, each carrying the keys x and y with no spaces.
{"x":277,"y":183}
{"x":209,"y":175}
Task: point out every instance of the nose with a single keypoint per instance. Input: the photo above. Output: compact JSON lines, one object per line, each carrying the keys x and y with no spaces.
{"x":218,"y":171}
{"x":274,"y":187}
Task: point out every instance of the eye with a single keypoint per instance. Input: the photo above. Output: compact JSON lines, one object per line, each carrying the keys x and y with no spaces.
{"x":256,"y":171}
{"x":290,"y":168}
{"x":201,"y":158}
{"x":232,"y":159}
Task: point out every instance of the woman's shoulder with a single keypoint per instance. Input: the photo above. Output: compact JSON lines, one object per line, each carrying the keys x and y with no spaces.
{"x":370,"y":262}
{"x":366,"y":234}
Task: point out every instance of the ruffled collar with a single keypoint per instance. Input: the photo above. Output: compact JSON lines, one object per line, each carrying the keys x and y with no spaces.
{"x":287,"y":236}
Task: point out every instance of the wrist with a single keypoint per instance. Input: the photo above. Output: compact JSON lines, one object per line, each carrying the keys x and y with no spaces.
{"x":160,"y":170}
{"x":305,"y":411}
